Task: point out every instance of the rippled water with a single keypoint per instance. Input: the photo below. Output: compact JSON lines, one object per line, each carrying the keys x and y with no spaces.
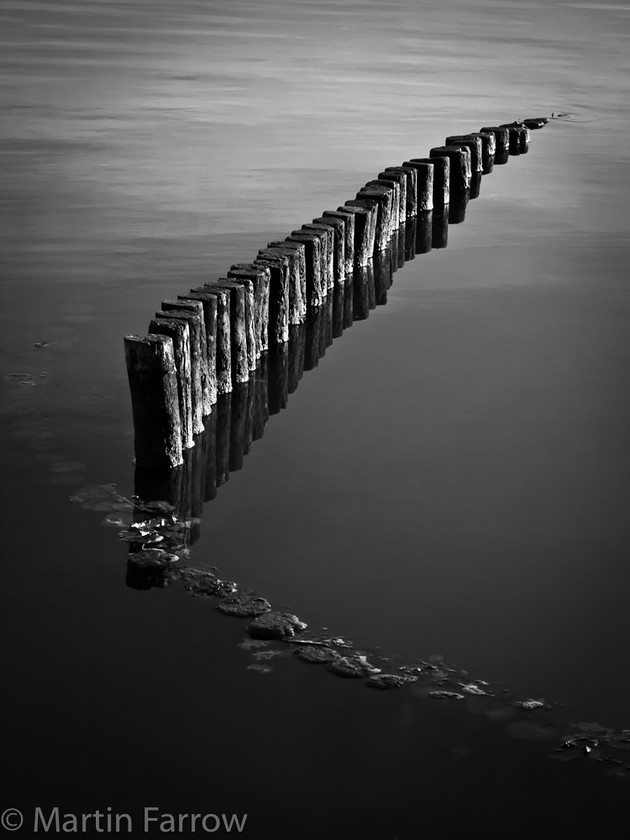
{"x":452,"y":478}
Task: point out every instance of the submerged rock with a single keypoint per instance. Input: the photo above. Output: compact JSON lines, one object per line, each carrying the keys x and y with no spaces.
{"x":275,"y":625}
{"x":212,"y":587}
{"x":389,"y":680}
{"x":446,"y":695}
{"x":152,"y":558}
{"x":244,"y":606}
{"x":352,"y":667}
{"x":317,"y":654}
{"x":530,"y":704}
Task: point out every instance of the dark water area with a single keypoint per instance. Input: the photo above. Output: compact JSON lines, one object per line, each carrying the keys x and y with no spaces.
{"x":451,"y":478}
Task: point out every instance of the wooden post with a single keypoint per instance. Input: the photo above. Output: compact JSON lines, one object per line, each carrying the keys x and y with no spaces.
{"x":424,"y":232}
{"x":488,"y":149}
{"x":154,"y":400}
{"x":209,"y":303}
{"x":295,"y":253}
{"x":238,"y":327}
{"x":411,"y":187}
{"x":339,"y":244}
{"x":459,"y":169}
{"x":472,"y":143}
{"x":425,"y":176}
{"x":223,"y":355}
{"x":250,"y":314}
{"x":179,"y":332}
{"x":260,"y":278}
{"x":387,"y":199}
{"x":398,"y":211}
{"x":535,"y":122}
{"x":201,"y":373}
{"x":322,"y":238}
{"x":522,"y":137}
{"x":399,"y":179}
{"x":175,"y":309}
{"x":502,"y":141}
{"x":378,"y":204}
{"x":347,"y":218}
{"x":364,"y":231}
{"x":329,"y":233}
{"x":313,"y":257}
{"x":279,"y":282}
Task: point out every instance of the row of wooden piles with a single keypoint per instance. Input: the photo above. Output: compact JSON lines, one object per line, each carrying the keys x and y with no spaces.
{"x":210,"y":340}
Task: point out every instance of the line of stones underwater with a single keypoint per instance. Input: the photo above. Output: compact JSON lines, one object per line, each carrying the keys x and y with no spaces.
{"x":233,"y":350}
{"x":213,"y":338}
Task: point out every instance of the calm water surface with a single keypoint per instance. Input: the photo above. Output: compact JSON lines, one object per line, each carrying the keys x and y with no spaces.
{"x":452,"y":479}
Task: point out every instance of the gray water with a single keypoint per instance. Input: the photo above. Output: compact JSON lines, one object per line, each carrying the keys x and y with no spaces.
{"x":452,"y":478}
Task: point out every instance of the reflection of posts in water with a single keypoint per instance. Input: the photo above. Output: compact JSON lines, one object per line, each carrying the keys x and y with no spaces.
{"x":361,"y":301}
{"x":261,"y":395}
{"x":348,"y":302}
{"x":424,"y":232}
{"x":410,"y":239}
{"x":439,"y":234}
{"x":337,"y":319}
{"x":297,"y":338}
{"x":398,"y":255}
{"x":312,"y":341}
{"x":457,"y":207}
{"x":326,"y":335}
{"x":222,"y":448}
{"x":209,"y":458}
{"x":278,"y":362}
{"x":382,"y":274}
{"x":237,"y":428}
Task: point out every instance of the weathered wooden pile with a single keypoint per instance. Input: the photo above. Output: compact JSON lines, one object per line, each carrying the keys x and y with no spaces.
{"x":205,"y":342}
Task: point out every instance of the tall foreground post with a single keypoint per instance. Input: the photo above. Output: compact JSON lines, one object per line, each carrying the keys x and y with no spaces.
{"x":154,"y":401}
